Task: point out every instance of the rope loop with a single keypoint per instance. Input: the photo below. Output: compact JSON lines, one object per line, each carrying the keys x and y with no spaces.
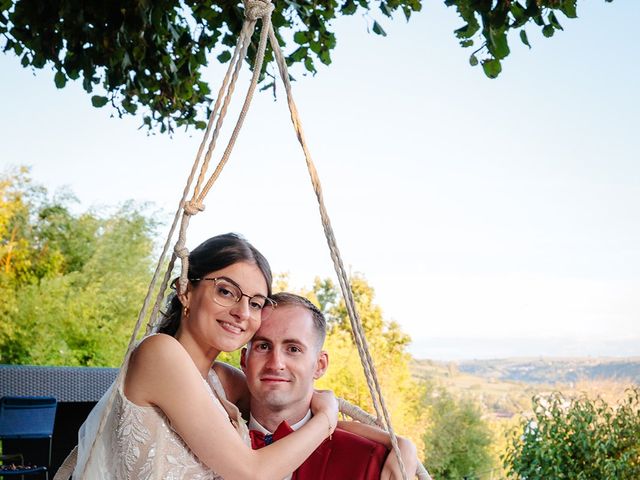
{"x":255,"y":9}
{"x":192,"y":208}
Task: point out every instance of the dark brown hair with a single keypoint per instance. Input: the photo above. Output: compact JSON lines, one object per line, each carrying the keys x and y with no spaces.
{"x":211,"y":255}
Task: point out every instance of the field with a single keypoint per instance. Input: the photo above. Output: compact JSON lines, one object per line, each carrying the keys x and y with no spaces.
{"x":505,"y":387}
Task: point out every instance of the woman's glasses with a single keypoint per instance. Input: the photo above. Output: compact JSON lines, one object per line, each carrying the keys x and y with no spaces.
{"x":227,"y":293}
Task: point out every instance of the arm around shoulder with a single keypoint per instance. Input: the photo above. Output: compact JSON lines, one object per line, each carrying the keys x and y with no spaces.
{"x":161,"y":373}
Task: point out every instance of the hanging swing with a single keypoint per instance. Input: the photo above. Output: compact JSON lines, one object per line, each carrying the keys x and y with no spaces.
{"x":253,"y":10}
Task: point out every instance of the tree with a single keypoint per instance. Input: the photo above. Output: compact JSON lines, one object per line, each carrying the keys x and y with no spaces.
{"x":388,"y":347}
{"x":458,"y":440}
{"x":577,"y":439}
{"x":71,"y":283}
{"x":150,"y":54}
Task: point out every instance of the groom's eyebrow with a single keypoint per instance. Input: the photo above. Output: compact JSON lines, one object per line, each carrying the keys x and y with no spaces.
{"x":262,"y":338}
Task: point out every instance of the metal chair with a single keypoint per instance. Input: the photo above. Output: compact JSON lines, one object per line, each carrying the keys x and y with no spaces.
{"x":26,"y":418}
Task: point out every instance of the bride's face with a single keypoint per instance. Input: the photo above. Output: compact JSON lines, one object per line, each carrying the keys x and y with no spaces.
{"x":215,"y":318}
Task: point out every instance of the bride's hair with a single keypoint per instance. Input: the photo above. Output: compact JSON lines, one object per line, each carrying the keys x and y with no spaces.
{"x":211,"y":255}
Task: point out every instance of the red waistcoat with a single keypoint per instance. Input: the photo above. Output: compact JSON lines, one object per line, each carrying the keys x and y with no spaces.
{"x":345,"y":457}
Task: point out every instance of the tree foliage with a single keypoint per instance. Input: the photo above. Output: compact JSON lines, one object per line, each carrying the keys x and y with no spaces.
{"x":71,"y":283}
{"x":578,"y":439}
{"x":388,"y":346}
{"x":150,"y":55}
{"x":457,"y":440}
{"x":487,"y":23}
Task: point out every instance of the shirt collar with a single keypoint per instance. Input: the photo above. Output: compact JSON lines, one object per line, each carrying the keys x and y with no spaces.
{"x":255,"y":425}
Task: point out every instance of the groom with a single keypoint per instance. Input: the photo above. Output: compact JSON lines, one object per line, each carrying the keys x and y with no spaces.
{"x":281,"y":362}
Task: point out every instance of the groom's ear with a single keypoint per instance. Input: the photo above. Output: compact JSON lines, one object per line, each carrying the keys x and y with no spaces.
{"x":322,"y":363}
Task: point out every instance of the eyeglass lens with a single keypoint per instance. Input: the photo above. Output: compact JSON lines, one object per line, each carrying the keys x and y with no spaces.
{"x":227,"y":294}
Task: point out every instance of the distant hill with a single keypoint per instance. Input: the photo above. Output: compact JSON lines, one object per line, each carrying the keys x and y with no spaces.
{"x":505,"y":386}
{"x":555,"y":370}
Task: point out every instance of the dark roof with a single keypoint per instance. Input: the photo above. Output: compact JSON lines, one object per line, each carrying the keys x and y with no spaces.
{"x":66,"y":384}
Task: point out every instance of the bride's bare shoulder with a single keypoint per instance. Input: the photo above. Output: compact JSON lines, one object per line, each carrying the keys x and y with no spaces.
{"x":157,"y":360}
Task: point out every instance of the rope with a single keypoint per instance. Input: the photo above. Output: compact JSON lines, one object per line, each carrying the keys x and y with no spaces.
{"x":255,"y":7}
{"x":361,"y":416}
{"x":356,"y":324}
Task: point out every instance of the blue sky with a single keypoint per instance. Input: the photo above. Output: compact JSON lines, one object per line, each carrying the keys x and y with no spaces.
{"x":493,"y":217}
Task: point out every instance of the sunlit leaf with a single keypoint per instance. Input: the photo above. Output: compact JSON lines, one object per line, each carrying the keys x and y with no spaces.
{"x":492,"y":68}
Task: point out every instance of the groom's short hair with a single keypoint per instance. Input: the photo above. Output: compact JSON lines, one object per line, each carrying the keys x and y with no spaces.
{"x":284,"y":299}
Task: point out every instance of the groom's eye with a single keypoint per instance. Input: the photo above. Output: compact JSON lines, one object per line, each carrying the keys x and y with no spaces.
{"x":262,"y":346}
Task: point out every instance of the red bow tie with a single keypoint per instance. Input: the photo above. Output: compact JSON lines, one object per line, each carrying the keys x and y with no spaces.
{"x":259,"y":439}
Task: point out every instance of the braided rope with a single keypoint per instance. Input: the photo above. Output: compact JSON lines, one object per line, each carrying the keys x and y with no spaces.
{"x":255,"y":7}
{"x":356,"y":324}
{"x":361,"y":416}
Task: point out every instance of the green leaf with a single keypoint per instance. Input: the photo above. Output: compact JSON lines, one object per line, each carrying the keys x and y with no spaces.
{"x":385,"y":9}
{"x":548,"y":31}
{"x":299,"y":54}
{"x":407,"y":12}
{"x":39,"y":60}
{"x":466,"y":43}
{"x":349,"y":7}
{"x":98,"y":101}
{"x":554,"y":21}
{"x":224,"y":57}
{"x":315,"y":47}
{"x":524,"y":38}
{"x":325,"y":57}
{"x":60,"y":79}
{"x":499,"y":46}
{"x":518,"y":13}
{"x":308,"y":64}
{"x":301,"y":37}
{"x":377,"y":29}
{"x":473,"y":60}
{"x":492,"y":68}
{"x":568,"y":7}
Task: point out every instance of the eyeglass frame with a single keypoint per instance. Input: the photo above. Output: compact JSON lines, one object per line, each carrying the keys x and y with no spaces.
{"x":268,"y":301}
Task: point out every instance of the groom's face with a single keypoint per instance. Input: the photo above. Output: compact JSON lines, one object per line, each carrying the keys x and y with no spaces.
{"x":283,"y":359}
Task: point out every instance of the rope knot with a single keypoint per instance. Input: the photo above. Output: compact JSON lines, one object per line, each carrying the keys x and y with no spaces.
{"x":181,"y":252}
{"x":191,"y":208}
{"x":255,"y":9}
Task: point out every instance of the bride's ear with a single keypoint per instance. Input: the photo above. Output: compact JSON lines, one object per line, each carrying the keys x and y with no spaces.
{"x":186,"y":296}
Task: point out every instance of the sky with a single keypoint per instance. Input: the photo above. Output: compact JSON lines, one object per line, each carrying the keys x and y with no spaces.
{"x":493,"y":218}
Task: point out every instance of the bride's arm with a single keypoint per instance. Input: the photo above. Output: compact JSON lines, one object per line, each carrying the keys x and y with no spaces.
{"x":161,"y":373}
{"x":235,"y":386}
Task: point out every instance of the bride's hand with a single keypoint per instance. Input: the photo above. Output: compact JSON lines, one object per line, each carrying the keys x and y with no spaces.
{"x":324,"y":402}
{"x":391,"y":469}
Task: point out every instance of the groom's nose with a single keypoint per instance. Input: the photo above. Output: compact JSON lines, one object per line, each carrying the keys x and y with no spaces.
{"x":275,"y":360}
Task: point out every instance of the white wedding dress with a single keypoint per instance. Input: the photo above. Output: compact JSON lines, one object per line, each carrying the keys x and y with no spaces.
{"x":138,"y":443}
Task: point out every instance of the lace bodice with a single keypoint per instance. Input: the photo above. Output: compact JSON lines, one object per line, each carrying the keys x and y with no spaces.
{"x":146,"y":446}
